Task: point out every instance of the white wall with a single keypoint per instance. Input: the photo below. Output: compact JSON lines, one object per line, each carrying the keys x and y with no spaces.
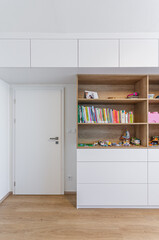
{"x":79,"y":16}
{"x":4,"y":140}
{"x":70,"y":137}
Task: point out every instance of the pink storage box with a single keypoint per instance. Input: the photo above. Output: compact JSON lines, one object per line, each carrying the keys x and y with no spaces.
{"x":153,"y":117}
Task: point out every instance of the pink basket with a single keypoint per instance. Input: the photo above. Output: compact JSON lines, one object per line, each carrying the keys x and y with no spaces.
{"x":153,"y":117}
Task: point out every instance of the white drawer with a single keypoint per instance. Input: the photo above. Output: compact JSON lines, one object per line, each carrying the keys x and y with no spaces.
{"x":111,"y":194}
{"x":153,"y":155}
{"x":153,"y":172}
{"x":112,"y":172}
{"x":153,"y":193}
{"x":111,"y":155}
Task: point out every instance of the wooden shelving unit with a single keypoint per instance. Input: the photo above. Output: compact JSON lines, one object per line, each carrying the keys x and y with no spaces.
{"x":119,"y":86}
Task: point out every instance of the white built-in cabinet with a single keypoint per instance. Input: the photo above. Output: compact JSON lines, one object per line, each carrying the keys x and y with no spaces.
{"x":117,"y":177}
{"x":98,"y":53}
{"x":138,"y":53}
{"x":53,"y":53}
{"x":153,"y":176}
{"x":14,"y":53}
{"x":79,"y":52}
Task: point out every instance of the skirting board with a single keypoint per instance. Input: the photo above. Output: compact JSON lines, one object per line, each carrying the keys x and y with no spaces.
{"x":6,"y":196}
{"x":124,"y":207}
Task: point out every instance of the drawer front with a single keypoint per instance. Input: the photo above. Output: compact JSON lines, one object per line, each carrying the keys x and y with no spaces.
{"x":54,"y":53}
{"x":153,"y":193}
{"x":111,"y":194}
{"x":111,"y":155}
{"x":112,"y":172}
{"x":153,"y":155}
{"x":153,"y":172}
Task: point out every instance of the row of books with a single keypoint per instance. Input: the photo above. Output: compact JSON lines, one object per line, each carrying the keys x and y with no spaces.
{"x":93,"y":114}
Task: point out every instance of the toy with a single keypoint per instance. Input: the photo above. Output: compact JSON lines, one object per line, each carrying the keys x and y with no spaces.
{"x":154,"y":141}
{"x":135,"y":141}
{"x":133,"y":95}
{"x":157,"y":97}
{"x":104,"y":143}
{"x":125,"y":138}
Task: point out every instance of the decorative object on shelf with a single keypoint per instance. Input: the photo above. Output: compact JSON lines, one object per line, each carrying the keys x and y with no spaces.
{"x":108,"y":143}
{"x":151,"y":96}
{"x":103,"y":115}
{"x":135,"y":141}
{"x":133,"y":95}
{"x":154,"y":141}
{"x":103,"y":144}
{"x":153,"y":117}
{"x":157,"y":97}
{"x":90,"y":95}
{"x":85,"y":145}
{"x":125,"y":138}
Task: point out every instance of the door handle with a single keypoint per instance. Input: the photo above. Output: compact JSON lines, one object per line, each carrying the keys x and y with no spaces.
{"x":55,"y":138}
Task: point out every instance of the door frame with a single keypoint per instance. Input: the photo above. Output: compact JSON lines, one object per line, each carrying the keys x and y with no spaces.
{"x":38,"y":87}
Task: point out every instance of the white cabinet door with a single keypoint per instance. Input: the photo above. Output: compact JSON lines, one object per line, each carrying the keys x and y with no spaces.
{"x":53,"y":53}
{"x":91,"y":195}
{"x":112,"y":172}
{"x":153,"y":193}
{"x":111,"y":155}
{"x":139,"y":53}
{"x":153,"y":155}
{"x":98,"y":53}
{"x":153,"y":172}
{"x":14,"y":53}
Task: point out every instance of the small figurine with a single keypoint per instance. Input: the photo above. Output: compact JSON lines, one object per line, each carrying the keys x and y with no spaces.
{"x":125,"y":138}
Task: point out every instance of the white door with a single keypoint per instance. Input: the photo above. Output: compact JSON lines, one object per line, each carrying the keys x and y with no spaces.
{"x":38,"y":157}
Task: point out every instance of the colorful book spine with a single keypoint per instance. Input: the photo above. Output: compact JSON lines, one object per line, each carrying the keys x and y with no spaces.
{"x":93,"y":114}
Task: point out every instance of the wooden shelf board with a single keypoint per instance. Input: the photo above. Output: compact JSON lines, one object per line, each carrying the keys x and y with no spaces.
{"x":117,"y":101}
{"x":106,"y":124}
{"x":153,"y":123}
{"x":113,"y":147}
{"x":153,"y":101}
{"x":102,"y":79}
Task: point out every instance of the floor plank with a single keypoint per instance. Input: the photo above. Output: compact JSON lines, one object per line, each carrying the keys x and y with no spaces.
{"x":56,"y":217}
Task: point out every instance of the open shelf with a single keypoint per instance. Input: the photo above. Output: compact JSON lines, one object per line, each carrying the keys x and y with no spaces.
{"x":112,"y":91}
{"x":118,"y":86}
{"x":109,"y":101}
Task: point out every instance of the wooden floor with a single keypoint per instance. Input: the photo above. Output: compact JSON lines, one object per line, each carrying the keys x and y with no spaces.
{"x":55,"y":217}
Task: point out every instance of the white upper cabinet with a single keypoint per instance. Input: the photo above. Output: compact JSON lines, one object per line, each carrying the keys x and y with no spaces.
{"x":14,"y":53}
{"x":98,"y":53}
{"x":139,"y":53}
{"x":54,"y":53}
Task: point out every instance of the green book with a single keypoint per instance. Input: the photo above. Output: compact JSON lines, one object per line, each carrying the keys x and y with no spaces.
{"x":78,"y":114}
